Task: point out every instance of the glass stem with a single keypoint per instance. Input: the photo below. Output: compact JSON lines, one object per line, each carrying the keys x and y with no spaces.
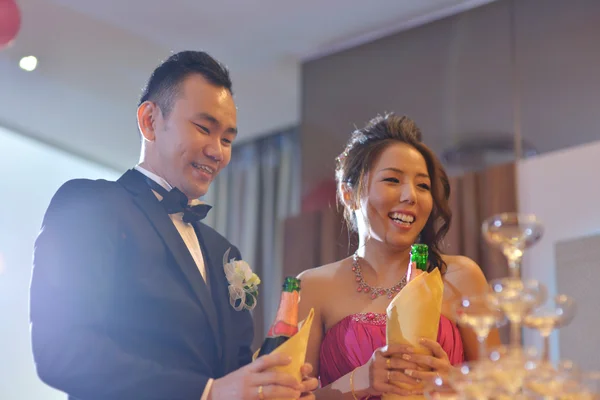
{"x":515,"y":333}
{"x":546,"y":354}
{"x":482,"y":347}
{"x":514,"y":267}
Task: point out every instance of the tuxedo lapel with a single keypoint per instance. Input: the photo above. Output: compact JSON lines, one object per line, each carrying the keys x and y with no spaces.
{"x":219,"y":284}
{"x":149,"y":204}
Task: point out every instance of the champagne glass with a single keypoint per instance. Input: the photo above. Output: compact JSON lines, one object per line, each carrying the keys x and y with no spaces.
{"x":567,"y":367}
{"x":553,"y":383}
{"x":516,"y":298}
{"x":590,"y":382}
{"x":440,"y":389}
{"x":557,"y":313}
{"x":473,"y":380}
{"x":510,"y":366}
{"x":512,"y":233}
{"x":477,"y":313}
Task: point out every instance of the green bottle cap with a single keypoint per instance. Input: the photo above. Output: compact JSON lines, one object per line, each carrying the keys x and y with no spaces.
{"x":419,"y":253}
{"x":291,"y":284}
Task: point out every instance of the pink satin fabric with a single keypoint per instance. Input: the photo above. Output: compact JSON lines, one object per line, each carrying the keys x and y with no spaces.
{"x":351,"y":342}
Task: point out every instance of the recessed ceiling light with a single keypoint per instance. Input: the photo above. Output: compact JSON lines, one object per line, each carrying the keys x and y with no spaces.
{"x":28,"y":63}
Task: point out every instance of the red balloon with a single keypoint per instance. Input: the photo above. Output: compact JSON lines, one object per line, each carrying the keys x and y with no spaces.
{"x":10,"y":22}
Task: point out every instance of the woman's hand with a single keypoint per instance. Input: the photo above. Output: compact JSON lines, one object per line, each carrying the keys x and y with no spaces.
{"x":385,"y":368}
{"x":412,"y":272}
{"x":429,"y":366}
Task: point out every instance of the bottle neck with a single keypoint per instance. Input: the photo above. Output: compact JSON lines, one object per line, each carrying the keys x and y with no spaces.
{"x":420,"y":260}
{"x":286,"y":320}
{"x":419,"y":253}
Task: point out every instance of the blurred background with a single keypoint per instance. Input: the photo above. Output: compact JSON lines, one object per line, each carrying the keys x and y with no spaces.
{"x":506,"y":92}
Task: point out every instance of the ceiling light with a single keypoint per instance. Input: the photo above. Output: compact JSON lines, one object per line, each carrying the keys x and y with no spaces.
{"x":28,"y":63}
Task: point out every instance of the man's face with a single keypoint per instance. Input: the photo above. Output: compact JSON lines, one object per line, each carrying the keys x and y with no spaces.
{"x":193,"y":143}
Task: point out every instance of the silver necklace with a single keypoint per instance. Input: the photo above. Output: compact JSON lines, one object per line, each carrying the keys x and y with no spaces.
{"x":374,"y":292}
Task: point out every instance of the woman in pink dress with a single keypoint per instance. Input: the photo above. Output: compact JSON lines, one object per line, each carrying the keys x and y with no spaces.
{"x":395,"y":193}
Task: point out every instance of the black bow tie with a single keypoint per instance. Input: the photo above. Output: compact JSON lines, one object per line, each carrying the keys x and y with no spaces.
{"x":175,"y":201}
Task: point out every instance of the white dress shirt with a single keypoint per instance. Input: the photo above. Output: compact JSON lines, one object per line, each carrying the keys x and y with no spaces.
{"x":188,"y":234}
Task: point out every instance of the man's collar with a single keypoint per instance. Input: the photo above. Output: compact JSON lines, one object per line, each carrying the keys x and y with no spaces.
{"x":162,"y":182}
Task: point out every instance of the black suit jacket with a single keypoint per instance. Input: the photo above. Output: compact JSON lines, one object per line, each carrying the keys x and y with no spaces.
{"x":118,"y":307}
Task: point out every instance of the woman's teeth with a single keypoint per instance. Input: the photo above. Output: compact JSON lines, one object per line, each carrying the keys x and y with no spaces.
{"x":402,"y":218}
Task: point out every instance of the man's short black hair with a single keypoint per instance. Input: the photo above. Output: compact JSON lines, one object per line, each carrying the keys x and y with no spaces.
{"x":165,"y":82}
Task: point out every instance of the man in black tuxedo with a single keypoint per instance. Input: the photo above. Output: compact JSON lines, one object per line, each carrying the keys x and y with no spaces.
{"x":128,"y":296}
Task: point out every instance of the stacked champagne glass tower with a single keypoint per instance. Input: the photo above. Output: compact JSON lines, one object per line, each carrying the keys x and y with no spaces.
{"x":515,"y":371}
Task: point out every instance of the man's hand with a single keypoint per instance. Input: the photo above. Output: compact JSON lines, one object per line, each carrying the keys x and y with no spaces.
{"x":254,"y":382}
{"x":309,"y":384}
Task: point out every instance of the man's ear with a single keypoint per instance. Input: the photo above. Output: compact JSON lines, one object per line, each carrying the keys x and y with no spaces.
{"x":147,"y":113}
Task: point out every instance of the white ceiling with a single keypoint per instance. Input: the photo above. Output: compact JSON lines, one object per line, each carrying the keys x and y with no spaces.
{"x":94,"y":57}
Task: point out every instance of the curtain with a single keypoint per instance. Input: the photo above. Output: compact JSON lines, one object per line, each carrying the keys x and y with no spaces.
{"x":251,"y":198}
{"x":476,"y":196}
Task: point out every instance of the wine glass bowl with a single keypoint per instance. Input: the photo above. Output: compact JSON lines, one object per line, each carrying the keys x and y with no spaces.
{"x":512,"y":233}
{"x":516,"y":298}
{"x":473,"y":380}
{"x":590,"y":383}
{"x":558,"y":312}
{"x":479,"y":314}
{"x":511,"y":365}
{"x":440,"y":389}
{"x":553,"y":383}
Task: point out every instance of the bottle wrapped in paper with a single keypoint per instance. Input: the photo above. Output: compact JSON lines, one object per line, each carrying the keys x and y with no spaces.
{"x":295,"y":347}
{"x":414,"y":314}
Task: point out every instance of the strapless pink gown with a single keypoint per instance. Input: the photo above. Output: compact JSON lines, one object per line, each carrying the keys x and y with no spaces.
{"x":351,"y":342}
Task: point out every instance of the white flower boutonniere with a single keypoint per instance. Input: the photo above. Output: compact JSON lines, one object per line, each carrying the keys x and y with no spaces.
{"x":243,"y":283}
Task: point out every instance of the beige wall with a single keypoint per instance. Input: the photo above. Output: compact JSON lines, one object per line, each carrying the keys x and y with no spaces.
{"x":453,"y":78}
{"x":31,"y":173}
{"x":577,"y":274}
{"x":561,"y":189}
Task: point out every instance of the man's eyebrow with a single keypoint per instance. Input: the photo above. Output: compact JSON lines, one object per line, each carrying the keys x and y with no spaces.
{"x":214,"y":121}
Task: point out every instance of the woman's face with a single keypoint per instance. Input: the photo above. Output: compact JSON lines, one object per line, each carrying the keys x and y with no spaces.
{"x":397,"y":201}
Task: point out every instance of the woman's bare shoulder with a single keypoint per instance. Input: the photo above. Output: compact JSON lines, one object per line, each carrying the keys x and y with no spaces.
{"x":318,"y":286}
{"x":464,"y":274}
{"x":320,"y":275}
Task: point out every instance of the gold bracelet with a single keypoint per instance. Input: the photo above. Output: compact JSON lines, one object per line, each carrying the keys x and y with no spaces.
{"x":352,"y":384}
